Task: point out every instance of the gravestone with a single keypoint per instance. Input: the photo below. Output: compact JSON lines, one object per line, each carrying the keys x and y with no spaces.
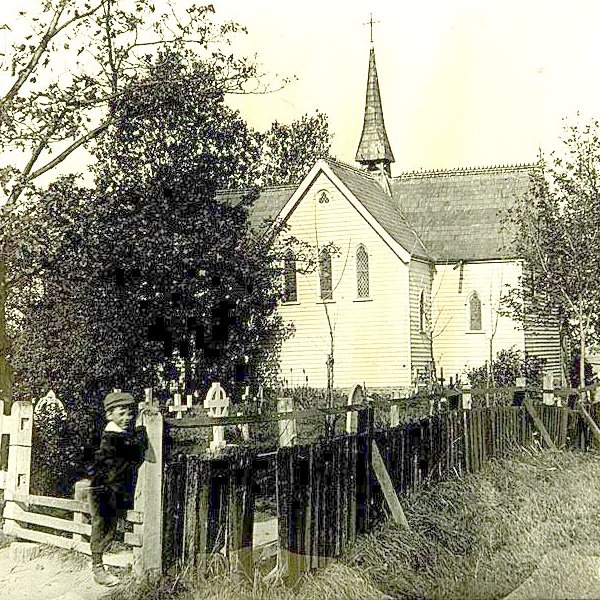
{"x":217,"y":404}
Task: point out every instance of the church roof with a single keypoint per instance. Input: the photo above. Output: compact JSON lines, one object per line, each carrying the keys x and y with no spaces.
{"x":457,"y":212}
{"x":374,"y":145}
{"x":368,"y":191}
{"x":445,"y":216}
{"x":266,"y":207}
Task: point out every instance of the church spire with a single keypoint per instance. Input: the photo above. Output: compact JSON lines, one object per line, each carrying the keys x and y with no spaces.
{"x":374,"y":150}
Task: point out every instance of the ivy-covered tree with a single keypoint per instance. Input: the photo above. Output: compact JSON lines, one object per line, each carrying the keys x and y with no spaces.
{"x":160,"y":275}
{"x":555,"y":230}
{"x":66,"y":68}
{"x":290,"y":151}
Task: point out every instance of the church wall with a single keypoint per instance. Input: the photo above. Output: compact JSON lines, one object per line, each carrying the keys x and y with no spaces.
{"x":420,"y":281}
{"x":371,"y":336}
{"x":455,"y":347}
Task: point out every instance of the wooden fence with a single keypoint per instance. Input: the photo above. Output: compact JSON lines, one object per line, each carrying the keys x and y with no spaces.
{"x":328,"y":492}
{"x":194,"y":509}
{"x":64,"y":522}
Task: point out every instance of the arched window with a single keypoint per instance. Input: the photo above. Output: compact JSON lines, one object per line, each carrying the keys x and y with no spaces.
{"x":290,"y":287}
{"x":362,"y":272}
{"x":325,"y":279}
{"x":422,"y":311}
{"x":474,"y":312}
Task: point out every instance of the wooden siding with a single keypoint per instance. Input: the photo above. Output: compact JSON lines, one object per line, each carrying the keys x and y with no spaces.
{"x":456,"y":349}
{"x":371,"y":336}
{"x":544,"y":342}
{"x":420,"y":346}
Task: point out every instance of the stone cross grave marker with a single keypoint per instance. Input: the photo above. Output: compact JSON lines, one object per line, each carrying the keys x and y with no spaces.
{"x":178,"y":407}
{"x":217,"y":405}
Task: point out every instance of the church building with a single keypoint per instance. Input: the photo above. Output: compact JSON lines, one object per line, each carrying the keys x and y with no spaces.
{"x":411,"y":268}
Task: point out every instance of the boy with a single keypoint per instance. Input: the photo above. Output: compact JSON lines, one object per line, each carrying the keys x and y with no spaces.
{"x":113,"y":477}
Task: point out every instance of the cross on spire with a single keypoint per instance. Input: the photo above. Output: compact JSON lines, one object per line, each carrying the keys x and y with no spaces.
{"x":370,"y":22}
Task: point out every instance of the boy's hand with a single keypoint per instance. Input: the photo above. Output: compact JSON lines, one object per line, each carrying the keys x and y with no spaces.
{"x":146,"y":410}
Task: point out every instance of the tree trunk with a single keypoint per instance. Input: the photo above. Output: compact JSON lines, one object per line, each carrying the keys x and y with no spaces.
{"x":582,"y":357}
{"x":6,"y":373}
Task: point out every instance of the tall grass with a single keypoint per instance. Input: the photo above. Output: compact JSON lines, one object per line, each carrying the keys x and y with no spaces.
{"x":477,"y":537}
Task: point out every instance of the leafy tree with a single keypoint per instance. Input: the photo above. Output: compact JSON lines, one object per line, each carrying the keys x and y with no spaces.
{"x":66,"y":78}
{"x":290,"y":151}
{"x":555,"y":229}
{"x":159,"y":272}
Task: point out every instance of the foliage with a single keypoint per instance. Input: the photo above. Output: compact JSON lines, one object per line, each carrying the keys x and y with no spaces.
{"x":506,"y":367}
{"x":554,"y":229}
{"x":291,"y":150}
{"x":158,"y":268}
{"x":65,"y":78}
{"x":98,"y":274}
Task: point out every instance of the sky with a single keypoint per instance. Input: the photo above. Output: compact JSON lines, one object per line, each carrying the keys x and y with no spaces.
{"x":463,"y":82}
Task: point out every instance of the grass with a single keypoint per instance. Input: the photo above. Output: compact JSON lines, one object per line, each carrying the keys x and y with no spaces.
{"x":476,"y":537}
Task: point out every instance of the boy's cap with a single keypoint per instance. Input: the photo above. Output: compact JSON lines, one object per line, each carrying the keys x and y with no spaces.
{"x":115,"y":399}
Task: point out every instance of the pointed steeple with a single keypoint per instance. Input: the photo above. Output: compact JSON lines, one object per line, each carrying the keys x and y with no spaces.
{"x":374,"y":150}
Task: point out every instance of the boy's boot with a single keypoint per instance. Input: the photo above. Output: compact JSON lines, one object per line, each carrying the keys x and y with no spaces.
{"x":104,"y":577}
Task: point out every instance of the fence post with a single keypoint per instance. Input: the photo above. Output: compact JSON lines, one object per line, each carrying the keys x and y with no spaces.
{"x":149,"y":499}
{"x":548,"y":389}
{"x":395,"y":413}
{"x":287,"y":427}
{"x":19,"y":457}
{"x":81,"y":494}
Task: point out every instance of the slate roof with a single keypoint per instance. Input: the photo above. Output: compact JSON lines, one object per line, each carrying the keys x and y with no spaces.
{"x":457,"y":212}
{"x":368,"y":190}
{"x":444,"y":216}
{"x":266,"y":207}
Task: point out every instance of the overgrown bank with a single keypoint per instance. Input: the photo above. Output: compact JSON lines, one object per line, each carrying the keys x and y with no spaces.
{"x":477,"y":537}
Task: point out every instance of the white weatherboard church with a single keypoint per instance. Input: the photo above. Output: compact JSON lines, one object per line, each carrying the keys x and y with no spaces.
{"x":417,"y":278}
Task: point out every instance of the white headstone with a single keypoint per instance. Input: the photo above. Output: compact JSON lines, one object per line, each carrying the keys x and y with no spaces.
{"x":217,"y":405}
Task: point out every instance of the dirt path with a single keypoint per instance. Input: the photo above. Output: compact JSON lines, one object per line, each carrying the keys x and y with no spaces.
{"x":52,"y":575}
{"x":61,"y":575}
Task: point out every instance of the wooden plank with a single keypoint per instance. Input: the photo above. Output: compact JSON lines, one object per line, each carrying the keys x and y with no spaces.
{"x":67,"y":543}
{"x":134,"y":540}
{"x":241,"y":515}
{"x":467,"y":445}
{"x":283,"y":509}
{"x":352,"y":453}
{"x":538,"y":422}
{"x":18,"y":514}
{"x":190,"y":513}
{"x":344,"y":489}
{"x":315,"y":498}
{"x":592,"y":424}
{"x":204,"y":489}
{"x":387,"y":486}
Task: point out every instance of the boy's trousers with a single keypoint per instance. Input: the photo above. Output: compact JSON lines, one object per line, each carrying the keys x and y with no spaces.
{"x":105,"y":517}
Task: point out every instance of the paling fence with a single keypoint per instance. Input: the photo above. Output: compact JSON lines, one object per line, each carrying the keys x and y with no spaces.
{"x":328,"y":492}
